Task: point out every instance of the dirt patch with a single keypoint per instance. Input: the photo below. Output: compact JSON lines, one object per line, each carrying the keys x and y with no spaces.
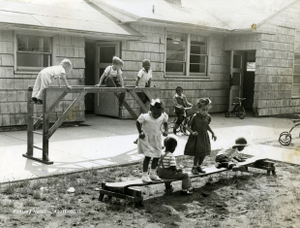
{"x":230,"y":199}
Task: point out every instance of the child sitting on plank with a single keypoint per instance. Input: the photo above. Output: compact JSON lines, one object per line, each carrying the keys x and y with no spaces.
{"x":228,"y":158}
{"x":167,"y":167}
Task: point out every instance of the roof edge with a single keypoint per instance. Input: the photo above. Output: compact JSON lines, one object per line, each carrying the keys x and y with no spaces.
{"x":81,"y":33}
{"x":276,"y":13}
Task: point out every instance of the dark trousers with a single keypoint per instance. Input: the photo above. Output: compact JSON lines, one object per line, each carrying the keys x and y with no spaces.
{"x":110,"y":82}
{"x":169,"y":173}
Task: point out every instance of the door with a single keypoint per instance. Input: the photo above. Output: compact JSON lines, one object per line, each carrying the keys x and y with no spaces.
{"x":105,"y":103}
{"x":237,"y":75}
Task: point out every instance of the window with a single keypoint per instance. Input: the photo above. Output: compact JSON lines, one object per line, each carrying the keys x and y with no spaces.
{"x":186,"y":54}
{"x":33,"y":53}
{"x":296,"y":73}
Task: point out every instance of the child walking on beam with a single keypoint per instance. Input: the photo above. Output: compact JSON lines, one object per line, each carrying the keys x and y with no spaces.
{"x":150,"y":137}
{"x":198,"y":144}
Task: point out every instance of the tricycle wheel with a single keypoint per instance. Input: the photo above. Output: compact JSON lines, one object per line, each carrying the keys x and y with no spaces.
{"x":227,"y":114}
{"x":285,"y":138}
{"x":241,"y":113}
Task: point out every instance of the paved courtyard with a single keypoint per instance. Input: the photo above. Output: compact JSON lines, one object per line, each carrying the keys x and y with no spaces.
{"x":105,"y":141}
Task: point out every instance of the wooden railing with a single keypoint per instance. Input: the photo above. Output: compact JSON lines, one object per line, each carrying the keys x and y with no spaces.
{"x":54,"y":95}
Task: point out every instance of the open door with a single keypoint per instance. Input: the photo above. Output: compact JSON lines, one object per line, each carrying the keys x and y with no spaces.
{"x":105,"y":103}
{"x":237,"y":75}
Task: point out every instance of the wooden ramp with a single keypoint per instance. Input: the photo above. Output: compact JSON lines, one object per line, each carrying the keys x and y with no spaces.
{"x":125,"y":190}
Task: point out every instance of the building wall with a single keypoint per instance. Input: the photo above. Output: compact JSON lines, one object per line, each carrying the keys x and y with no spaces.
{"x":14,"y":86}
{"x":216,"y":87}
{"x":274,"y":64}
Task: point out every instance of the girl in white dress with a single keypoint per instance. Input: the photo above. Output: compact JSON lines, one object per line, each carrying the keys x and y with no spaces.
{"x":150,"y":137}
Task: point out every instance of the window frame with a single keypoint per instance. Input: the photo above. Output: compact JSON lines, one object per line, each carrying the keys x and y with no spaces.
{"x":30,"y":69}
{"x":187,"y":74}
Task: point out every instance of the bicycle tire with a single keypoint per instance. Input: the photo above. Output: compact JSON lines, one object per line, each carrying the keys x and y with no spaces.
{"x":285,"y":138}
{"x":183,"y":126}
{"x":241,"y":113}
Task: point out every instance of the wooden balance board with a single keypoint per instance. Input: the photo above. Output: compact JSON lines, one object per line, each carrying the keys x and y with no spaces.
{"x":208,"y":170}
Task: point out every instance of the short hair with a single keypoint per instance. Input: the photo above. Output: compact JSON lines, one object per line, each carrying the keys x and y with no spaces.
{"x":156,"y":103}
{"x":66,"y":62}
{"x":117,"y":61}
{"x":146,"y":61}
{"x":179,"y":88}
{"x":170,"y":144}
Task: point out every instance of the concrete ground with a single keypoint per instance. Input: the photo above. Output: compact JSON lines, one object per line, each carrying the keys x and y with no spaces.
{"x":106,"y":141}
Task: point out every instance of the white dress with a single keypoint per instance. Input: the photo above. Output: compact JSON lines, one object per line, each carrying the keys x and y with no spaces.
{"x":151,"y":145}
{"x":45,"y":78}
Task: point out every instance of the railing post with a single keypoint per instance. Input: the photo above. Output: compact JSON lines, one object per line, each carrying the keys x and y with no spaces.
{"x":29,"y":123}
{"x":45,"y":128}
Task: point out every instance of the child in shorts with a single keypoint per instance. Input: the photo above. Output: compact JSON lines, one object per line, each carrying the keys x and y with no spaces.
{"x":112,"y":77}
{"x":180,"y":102}
{"x":167,"y":167}
{"x":228,"y":158}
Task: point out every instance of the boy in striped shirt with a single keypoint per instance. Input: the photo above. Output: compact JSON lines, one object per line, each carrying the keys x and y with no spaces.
{"x":167,"y":167}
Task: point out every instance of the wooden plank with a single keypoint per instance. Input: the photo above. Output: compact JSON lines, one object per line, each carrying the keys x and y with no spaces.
{"x":120,"y":196}
{"x":62,"y":117}
{"x":138,"y":100}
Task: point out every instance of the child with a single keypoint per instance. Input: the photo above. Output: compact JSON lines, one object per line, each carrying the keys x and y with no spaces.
{"x":150,"y":139}
{"x":180,"y":102}
{"x":143,"y":79}
{"x":112,"y":77}
{"x":198,"y":144}
{"x":46,"y":76}
{"x":227,"y":158}
{"x":167,"y":167}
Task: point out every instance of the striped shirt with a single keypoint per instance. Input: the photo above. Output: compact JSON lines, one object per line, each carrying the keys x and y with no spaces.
{"x":168,"y":160}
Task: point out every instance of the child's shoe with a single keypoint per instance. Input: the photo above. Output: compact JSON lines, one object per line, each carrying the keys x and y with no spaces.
{"x":136,"y":141}
{"x":39,"y":101}
{"x":154,"y":177}
{"x":146,"y":179}
{"x":34,"y":100}
{"x":195,"y":170}
{"x":200,"y":170}
{"x":186,"y":192}
{"x":239,"y":168}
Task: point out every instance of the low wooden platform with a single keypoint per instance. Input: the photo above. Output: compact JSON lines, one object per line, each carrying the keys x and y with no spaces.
{"x":126,"y":190}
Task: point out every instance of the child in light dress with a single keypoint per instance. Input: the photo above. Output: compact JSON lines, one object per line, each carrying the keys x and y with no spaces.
{"x":150,"y":137}
{"x":167,"y":167}
{"x":228,"y":158}
{"x":198,"y":144}
{"x":46,"y":76}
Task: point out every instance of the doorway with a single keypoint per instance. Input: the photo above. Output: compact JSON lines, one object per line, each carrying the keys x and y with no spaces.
{"x":242,"y":74}
{"x":99,"y":55}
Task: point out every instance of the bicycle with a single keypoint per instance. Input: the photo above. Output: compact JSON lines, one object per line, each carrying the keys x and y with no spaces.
{"x":184,"y":124}
{"x":238,"y":108}
{"x":285,"y":138}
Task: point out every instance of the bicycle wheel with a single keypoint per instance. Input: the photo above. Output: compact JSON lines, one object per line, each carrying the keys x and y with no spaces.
{"x":184,"y":125}
{"x":285,"y":138}
{"x":227,"y":114}
{"x":241,"y":113}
